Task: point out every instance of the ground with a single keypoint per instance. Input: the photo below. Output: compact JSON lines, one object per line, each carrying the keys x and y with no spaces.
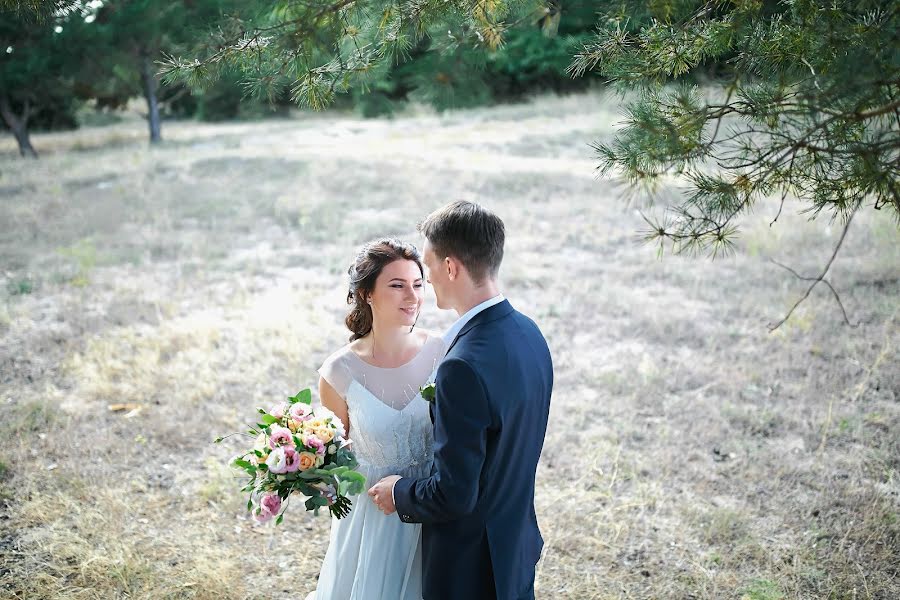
{"x":690,"y":453}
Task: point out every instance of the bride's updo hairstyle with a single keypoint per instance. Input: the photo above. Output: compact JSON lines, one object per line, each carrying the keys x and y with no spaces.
{"x":371,"y":260}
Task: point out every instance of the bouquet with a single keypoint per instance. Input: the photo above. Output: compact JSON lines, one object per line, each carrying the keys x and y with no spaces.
{"x":299,"y":449}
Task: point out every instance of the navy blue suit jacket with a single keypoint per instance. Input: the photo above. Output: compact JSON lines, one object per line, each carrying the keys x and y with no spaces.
{"x":480,"y":534}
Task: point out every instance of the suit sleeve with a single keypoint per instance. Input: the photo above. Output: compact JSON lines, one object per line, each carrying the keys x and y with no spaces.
{"x":461,"y":421}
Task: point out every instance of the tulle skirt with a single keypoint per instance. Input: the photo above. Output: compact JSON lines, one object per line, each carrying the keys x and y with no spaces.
{"x":372,"y":556}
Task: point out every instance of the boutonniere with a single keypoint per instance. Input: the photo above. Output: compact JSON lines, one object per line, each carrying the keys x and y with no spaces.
{"x":427,"y":391}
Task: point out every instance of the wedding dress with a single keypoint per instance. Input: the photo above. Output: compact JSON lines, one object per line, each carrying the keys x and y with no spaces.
{"x":372,"y":556}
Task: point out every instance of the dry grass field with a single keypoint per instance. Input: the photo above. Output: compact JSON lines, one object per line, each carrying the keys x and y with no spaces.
{"x":691,"y":453}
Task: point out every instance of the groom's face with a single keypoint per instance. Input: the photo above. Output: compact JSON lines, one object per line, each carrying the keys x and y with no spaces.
{"x":436,"y":274}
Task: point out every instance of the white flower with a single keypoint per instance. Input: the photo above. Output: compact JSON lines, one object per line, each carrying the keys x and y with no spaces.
{"x":261,"y":443}
{"x":277,"y":461}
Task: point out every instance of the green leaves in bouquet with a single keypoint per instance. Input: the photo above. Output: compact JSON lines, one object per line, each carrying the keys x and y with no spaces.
{"x":345,"y":457}
{"x":314,"y":503}
{"x":245,"y":465}
{"x":251,"y":432}
{"x":350,"y":483}
{"x":303,"y":396}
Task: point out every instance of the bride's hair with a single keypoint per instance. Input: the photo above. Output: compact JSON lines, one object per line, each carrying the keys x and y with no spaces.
{"x":369,"y":262}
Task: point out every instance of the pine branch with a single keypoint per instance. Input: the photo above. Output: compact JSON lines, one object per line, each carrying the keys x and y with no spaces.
{"x":817,"y":280}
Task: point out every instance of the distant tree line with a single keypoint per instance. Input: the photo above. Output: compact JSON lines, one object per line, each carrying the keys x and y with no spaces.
{"x":57,"y":56}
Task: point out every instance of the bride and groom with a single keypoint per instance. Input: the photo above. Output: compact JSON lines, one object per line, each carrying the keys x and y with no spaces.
{"x":458,"y":471}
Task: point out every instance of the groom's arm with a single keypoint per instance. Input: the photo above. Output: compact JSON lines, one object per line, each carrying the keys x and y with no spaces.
{"x":461,"y":421}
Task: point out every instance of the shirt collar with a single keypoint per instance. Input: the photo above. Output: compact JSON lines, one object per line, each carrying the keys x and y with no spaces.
{"x":454,"y":330}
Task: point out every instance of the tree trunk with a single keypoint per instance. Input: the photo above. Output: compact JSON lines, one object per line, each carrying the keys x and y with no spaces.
{"x":18,"y":125}
{"x":149,"y":82}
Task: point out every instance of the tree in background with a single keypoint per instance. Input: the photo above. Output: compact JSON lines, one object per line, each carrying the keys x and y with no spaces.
{"x":130,"y":36}
{"x":532,"y":58}
{"x":805,"y":103}
{"x":35,"y":68}
{"x":319,"y":49}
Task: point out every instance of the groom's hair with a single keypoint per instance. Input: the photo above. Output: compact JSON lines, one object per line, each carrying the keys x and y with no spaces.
{"x":470,"y":233}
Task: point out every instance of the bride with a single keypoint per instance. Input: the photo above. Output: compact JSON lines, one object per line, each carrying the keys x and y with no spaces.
{"x":372,"y":384}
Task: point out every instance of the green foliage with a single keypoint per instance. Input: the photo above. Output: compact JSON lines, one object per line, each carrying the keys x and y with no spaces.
{"x":125,"y":39}
{"x":304,"y":396}
{"x":35,"y":63}
{"x":810,"y":106}
{"x":531,"y":61}
{"x":224,"y":99}
{"x":35,"y":11}
{"x":448,"y":54}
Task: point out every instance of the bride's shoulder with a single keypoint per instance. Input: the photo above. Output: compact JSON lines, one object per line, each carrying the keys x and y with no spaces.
{"x":339,"y":355}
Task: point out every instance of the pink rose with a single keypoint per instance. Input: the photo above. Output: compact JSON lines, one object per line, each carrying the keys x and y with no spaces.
{"x":291,"y":459}
{"x":280,"y":436}
{"x":277,"y":461}
{"x":277,"y":410}
{"x":315,"y":443}
{"x":300,"y":412}
{"x":269,"y":505}
{"x":263,"y":517}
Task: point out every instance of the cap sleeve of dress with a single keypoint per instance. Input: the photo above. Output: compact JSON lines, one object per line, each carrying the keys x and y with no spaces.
{"x":336,"y":372}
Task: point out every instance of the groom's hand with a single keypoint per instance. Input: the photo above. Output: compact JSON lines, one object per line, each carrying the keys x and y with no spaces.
{"x":382,"y":494}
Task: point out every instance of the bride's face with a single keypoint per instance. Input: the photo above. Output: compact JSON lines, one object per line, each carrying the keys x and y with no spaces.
{"x":398,"y":295}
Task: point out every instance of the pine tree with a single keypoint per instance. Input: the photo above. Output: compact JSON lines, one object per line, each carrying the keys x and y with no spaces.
{"x":129,"y":38}
{"x":321,"y":48}
{"x":34,"y":67}
{"x":799,"y":98}
{"x":806,"y":102}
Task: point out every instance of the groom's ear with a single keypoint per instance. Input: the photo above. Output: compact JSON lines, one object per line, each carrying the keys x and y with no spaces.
{"x":452,"y":266}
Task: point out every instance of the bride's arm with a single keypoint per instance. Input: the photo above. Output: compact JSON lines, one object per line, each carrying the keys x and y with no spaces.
{"x":333,"y":402}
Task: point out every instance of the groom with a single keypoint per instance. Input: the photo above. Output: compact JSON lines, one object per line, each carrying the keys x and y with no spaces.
{"x":480,"y":537}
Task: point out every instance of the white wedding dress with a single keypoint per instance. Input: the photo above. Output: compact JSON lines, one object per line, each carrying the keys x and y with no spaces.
{"x":372,"y":556}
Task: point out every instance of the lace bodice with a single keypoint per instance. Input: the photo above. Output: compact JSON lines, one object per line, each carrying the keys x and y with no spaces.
{"x":389,"y":422}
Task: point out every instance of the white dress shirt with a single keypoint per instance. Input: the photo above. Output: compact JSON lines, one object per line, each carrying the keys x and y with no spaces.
{"x":454,"y":330}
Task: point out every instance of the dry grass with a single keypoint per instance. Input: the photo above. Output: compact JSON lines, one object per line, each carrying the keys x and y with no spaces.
{"x":691,"y":454}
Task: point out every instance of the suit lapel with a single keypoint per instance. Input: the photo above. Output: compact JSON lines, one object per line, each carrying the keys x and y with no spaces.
{"x":492,"y":313}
